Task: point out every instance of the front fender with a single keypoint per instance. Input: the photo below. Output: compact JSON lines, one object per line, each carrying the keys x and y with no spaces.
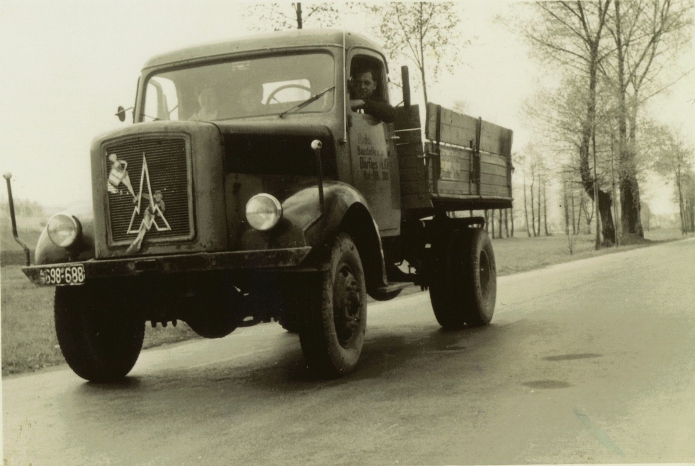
{"x":345,"y":209}
{"x":83,"y":249}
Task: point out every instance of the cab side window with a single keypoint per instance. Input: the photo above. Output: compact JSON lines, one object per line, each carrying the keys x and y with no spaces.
{"x":367,"y":79}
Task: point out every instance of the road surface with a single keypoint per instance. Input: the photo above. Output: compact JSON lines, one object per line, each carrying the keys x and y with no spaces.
{"x":590,"y":361}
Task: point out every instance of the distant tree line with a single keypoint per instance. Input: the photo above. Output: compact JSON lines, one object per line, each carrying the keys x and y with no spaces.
{"x":22,"y":207}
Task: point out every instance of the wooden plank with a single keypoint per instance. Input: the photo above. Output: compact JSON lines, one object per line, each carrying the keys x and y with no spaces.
{"x":497,"y":180}
{"x":455,"y":163}
{"x":461,"y":176}
{"x":452,"y":187}
{"x":495,"y":139}
{"x":490,"y":190}
{"x":494,"y":170}
{"x":460,"y":129}
{"x":455,"y":128}
{"x":493,"y":160}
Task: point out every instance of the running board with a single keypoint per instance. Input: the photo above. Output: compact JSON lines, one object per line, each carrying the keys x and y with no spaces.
{"x":391,"y":287}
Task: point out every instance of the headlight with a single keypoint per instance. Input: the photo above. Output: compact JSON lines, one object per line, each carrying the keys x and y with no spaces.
{"x":63,"y":230}
{"x":263,"y":211}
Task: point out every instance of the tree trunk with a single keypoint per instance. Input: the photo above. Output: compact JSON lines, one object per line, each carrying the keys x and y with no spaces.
{"x":631,"y":224}
{"x":584,"y":152}
{"x":539,"y":204}
{"x":422,"y":57}
{"x":533,"y":212}
{"x":506,"y":222}
{"x":567,"y":210}
{"x":298,"y":8}
{"x":681,"y":206}
{"x":500,"y":221}
{"x":575,"y":222}
{"x":526,"y":209}
{"x":630,"y":208}
{"x":511,"y":214}
{"x":545,"y":211}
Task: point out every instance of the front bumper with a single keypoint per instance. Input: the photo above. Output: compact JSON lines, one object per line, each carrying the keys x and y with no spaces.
{"x":134,"y":266}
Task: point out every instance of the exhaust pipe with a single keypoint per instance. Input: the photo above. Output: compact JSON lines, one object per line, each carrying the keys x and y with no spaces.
{"x":7,"y":176}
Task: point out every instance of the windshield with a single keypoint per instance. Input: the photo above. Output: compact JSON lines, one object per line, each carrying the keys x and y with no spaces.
{"x":241,"y":88}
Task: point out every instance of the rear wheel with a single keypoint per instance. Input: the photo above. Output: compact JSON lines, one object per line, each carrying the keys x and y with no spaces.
{"x":464,"y":286}
{"x":332,"y":334}
{"x":99,"y":336}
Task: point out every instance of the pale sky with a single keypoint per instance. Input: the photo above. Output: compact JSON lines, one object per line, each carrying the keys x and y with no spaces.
{"x":67,"y":65}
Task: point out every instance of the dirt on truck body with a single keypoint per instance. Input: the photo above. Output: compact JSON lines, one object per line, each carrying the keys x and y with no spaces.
{"x":247,"y":190}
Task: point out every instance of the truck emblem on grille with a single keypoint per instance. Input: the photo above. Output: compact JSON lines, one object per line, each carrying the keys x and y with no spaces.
{"x":119,"y":176}
{"x":153,"y":212}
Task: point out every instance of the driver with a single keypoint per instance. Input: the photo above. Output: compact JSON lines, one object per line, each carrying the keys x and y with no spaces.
{"x":364,"y":96}
{"x":250,"y":99}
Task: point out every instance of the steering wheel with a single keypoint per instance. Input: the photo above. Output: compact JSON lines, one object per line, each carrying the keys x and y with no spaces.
{"x":282,"y":88}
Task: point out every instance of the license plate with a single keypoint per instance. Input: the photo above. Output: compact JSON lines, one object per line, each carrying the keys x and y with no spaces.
{"x":62,"y":275}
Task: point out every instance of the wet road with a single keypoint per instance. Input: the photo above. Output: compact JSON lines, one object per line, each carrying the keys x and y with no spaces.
{"x":592,"y":361}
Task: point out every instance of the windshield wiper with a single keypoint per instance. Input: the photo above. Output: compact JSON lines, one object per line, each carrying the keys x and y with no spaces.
{"x":301,"y":105}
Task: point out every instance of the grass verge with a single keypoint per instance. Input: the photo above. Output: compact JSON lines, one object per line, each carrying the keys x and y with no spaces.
{"x":28,"y":334}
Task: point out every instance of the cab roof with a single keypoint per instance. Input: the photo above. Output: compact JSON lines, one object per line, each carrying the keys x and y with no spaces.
{"x":298,"y":38}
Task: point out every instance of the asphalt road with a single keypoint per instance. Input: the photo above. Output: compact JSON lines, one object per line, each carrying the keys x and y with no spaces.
{"x":591,"y":361}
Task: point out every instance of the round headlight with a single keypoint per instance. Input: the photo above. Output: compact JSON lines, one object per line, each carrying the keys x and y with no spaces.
{"x":63,"y":230}
{"x":263,"y":211}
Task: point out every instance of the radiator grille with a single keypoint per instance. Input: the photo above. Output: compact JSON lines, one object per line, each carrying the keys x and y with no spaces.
{"x":166,"y":166}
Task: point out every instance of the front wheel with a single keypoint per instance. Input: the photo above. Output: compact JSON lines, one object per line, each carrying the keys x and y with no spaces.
{"x":332,"y":334}
{"x":99,"y":336}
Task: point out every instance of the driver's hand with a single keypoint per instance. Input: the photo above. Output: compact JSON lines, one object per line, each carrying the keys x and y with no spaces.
{"x":356,"y":104}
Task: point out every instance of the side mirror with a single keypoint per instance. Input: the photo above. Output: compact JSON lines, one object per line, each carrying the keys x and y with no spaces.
{"x":121,"y":112}
{"x":405,"y":78}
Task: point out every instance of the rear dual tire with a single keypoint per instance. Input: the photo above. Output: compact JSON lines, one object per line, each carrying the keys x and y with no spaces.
{"x":463,"y":289}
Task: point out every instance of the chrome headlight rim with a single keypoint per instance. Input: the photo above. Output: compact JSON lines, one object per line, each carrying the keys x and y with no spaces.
{"x":64,"y":230}
{"x":263,"y":211}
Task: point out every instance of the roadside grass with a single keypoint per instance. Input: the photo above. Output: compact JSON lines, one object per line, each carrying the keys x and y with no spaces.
{"x":28,"y":333}
{"x":521,"y":253}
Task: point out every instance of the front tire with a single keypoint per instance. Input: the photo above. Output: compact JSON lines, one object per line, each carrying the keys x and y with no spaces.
{"x":332,"y":335}
{"x":100,"y":337}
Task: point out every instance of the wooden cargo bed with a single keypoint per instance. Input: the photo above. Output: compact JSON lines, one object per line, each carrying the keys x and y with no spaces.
{"x":464,"y":164}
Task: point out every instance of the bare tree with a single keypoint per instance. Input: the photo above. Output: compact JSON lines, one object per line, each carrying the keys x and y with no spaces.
{"x":674,"y":159}
{"x":645,"y":32}
{"x":526,"y":209}
{"x":571,"y":34}
{"x":425,"y":32}
{"x":557,"y":116}
{"x":533,"y":213}
{"x":280,"y":16}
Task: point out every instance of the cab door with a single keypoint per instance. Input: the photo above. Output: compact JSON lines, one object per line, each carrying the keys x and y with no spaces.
{"x":374,"y":167}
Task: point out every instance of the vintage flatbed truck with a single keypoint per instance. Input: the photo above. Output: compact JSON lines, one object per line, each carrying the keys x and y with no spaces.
{"x":287,"y":206}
